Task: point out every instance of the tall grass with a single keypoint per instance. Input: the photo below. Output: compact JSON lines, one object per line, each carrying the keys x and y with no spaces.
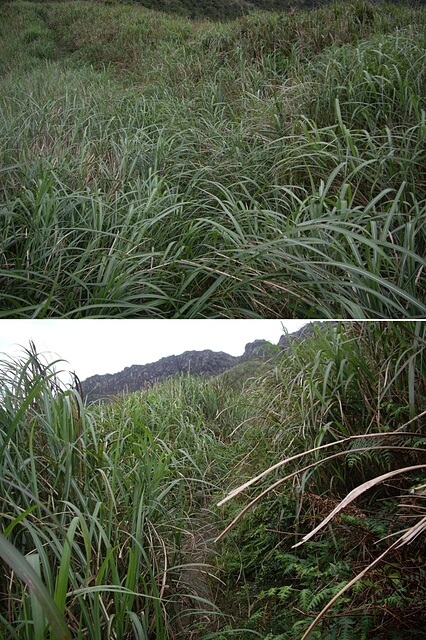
{"x":156,"y":167}
{"x":97,"y":511}
{"x":347,"y":408}
{"x":107,"y":511}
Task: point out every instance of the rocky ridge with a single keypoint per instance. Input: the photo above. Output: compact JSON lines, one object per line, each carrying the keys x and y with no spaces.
{"x":205,"y":363}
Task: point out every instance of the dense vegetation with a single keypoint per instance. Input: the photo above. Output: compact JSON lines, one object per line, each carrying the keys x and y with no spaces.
{"x":108,"y":512}
{"x":155,"y":166}
{"x":222,"y":9}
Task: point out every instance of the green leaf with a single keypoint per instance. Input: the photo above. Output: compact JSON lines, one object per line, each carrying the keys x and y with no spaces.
{"x":37,"y":589}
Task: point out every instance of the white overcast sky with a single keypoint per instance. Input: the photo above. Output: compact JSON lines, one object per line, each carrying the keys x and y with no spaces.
{"x":92,"y":347}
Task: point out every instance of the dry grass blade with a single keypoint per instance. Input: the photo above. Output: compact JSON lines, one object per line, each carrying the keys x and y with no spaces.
{"x":411,"y":533}
{"x":281,"y":481}
{"x":355,"y":493}
{"x":407,"y":537}
{"x":281,"y":463}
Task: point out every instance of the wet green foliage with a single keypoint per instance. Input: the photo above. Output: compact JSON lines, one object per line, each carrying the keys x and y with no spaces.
{"x":100,"y":505}
{"x":345,"y":384}
{"x":154,"y":166}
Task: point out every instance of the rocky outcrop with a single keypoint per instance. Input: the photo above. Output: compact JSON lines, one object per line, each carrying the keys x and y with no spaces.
{"x":258,"y":349}
{"x":137,"y":377}
{"x":304,"y":332}
{"x":205,"y":363}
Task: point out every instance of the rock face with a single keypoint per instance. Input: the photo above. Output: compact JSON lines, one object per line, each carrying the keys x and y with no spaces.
{"x":258,"y":349}
{"x":205,"y":363}
{"x":305,"y":332}
{"x":137,"y":377}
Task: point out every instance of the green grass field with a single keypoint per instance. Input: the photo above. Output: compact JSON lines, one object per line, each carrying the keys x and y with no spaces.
{"x":154,"y":166}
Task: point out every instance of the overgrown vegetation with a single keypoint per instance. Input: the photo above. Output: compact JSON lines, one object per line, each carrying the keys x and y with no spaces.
{"x":108,"y":515}
{"x":345,"y":408}
{"x":154,"y":166}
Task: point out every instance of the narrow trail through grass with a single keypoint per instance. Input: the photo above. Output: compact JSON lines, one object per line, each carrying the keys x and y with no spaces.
{"x":178,"y":512}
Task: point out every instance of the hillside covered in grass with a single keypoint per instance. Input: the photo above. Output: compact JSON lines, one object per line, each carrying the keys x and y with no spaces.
{"x":222,"y":9}
{"x":173,"y":513}
{"x":157,"y":166}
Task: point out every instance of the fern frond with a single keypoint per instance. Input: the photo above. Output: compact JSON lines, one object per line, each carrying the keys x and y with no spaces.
{"x":346,"y":628}
{"x":305,"y":598}
{"x":319,"y":598}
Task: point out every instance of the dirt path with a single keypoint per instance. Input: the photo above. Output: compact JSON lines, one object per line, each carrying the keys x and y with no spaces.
{"x":197,"y":581}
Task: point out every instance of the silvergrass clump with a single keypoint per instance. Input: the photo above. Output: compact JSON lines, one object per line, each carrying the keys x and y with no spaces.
{"x":378,"y":83}
{"x":92,"y":520}
{"x":218,"y":174}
